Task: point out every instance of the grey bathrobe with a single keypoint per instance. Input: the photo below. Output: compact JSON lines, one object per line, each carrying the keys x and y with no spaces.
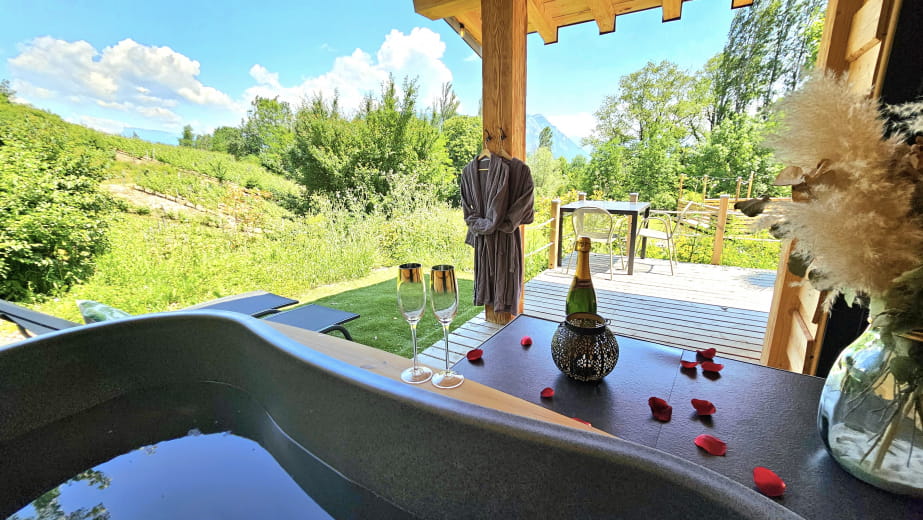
{"x":495,"y":203}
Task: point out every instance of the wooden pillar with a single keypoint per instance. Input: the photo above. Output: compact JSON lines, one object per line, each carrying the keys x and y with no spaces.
{"x":553,"y":250}
{"x":503,"y":70}
{"x":719,"y":230}
{"x":750,"y":185}
{"x":581,"y":195}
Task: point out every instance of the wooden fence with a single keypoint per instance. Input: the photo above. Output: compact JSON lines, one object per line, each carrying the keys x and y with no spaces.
{"x":714,"y":218}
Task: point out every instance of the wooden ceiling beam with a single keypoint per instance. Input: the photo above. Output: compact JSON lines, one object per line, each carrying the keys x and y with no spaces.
{"x":604,"y":15}
{"x":472,"y":22}
{"x":542,"y":22}
{"x":672,"y":10}
{"x":438,"y":9}
{"x":735,"y":4}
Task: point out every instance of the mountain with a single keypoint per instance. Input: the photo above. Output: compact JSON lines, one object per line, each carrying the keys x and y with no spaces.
{"x":561,"y":145}
{"x":153,"y":136}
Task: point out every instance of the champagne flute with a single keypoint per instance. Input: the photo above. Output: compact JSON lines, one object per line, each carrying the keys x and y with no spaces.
{"x":411,"y":300}
{"x":444,"y":299}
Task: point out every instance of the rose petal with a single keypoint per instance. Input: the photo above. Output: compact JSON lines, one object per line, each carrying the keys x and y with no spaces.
{"x":713,"y":445}
{"x":526,"y":341}
{"x":547,"y":392}
{"x":703,"y":407}
{"x":581,"y":421}
{"x":474,"y":355}
{"x":708,"y":366}
{"x":768,"y":482}
{"x":707,"y":353}
{"x":660,"y":409}
{"x":689,"y":364}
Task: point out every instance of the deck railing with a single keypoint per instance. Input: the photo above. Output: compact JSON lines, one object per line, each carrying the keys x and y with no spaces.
{"x":714,"y":218}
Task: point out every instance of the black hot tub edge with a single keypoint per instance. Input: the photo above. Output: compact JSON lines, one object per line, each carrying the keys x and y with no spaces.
{"x":428,"y":454}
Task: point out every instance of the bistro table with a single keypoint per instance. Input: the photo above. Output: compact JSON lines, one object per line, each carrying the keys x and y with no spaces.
{"x":614,"y":207}
{"x":766,"y":416}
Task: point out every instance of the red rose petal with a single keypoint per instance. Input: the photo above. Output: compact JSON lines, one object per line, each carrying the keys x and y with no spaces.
{"x":474,"y":355}
{"x":707,"y":353}
{"x":703,"y":407}
{"x":689,"y":364}
{"x":547,"y":392}
{"x":581,"y":421}
{"x":525,"y":341}
{"x":768,"y":482}
{"x":660,"y":409}
{"x":713,"y":445}
{"x":708,"y":366}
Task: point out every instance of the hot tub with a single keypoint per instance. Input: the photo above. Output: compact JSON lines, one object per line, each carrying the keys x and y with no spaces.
{"x":348,"y":443}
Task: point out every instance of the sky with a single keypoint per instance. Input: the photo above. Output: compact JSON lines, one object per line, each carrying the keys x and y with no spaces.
{"x":161,"y":65}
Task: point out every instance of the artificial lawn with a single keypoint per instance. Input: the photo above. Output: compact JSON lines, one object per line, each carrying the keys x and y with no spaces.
{"x":381,"y":325}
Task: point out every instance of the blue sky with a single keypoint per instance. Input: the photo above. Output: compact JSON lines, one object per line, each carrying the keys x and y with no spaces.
{"x":161,"y":65}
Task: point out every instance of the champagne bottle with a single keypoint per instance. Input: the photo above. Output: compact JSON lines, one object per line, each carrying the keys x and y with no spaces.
{"x":581,"y":297}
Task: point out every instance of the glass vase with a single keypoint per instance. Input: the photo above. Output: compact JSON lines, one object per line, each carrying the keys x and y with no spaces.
{"x":871,"y":409}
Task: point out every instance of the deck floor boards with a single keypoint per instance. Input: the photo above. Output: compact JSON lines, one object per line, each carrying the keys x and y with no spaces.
{"x":699,"y":307}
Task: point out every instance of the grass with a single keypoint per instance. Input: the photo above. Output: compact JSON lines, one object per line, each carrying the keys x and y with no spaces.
{"x":382,"y":326}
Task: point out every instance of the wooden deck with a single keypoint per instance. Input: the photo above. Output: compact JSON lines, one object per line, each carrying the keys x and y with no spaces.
{"x":701,"y":306}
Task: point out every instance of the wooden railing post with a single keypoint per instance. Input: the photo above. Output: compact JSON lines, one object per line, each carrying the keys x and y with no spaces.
{"x":750,"y":185}
{"x":719,"y":230}
{"x":581,"y":195}
{"x":553,"y":250}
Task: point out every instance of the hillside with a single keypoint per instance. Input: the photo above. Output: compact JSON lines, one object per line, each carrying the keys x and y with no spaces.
{"x":561,"y":145}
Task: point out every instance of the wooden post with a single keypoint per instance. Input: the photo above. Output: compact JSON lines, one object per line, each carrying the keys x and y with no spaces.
{"x":553,"y":250}
{"x":632,"y":197}
{"x":719,"y":230}
{"x":581,"y":195}
{"x":704,"y":188}
{"x":737,"y":195}
{"x":750,"y":186}
{"x":503,"y":78}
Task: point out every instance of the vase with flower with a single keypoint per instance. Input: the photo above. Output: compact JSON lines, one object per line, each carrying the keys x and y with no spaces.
{"x":856,"y":221}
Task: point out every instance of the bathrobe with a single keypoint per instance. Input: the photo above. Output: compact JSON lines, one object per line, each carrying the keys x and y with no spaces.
{"x":495,"y":203}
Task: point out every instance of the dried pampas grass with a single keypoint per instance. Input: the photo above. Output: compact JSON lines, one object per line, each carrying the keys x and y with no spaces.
{"x":862,"y":224}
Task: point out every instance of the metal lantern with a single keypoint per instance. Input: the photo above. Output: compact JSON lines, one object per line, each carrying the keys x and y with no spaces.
{"x":584,"y":348}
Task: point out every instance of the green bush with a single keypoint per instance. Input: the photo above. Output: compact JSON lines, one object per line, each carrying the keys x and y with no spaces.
{"x":52,"y":213}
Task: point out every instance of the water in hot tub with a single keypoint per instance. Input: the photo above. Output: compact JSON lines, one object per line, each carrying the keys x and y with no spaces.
{"x":202,"y":476}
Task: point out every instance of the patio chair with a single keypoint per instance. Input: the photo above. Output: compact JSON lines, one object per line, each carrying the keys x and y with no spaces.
{"x":599,"y":225}
{"x":664,"y":231}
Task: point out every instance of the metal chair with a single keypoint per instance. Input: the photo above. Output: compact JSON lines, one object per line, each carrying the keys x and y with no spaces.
{"x":664,"y":231}
{"x":599,"y":225}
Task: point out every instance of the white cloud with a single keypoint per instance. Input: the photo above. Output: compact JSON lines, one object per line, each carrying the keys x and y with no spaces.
{"x":418,"y":54}
{"x":105,"y":125}
{"x":127,"y":76}
{"x":576,"y":126}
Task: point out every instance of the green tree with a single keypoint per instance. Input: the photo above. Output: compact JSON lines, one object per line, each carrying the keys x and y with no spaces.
{"x":188,"y":138}
{"x":768,"y":47}
{"x":644,"y":131}
{"x":732,"y":150}
{"x":446,"y":107}
{"x":385,"y":145}
{"x":545,"y":138}
{"x":546,"y":172}
{"x":268,"y":133}
{"x":227,"y":139}
{"x":6,"y":91}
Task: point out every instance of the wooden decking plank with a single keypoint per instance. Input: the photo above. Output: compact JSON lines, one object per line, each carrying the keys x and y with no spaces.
{"x":625,"y":305}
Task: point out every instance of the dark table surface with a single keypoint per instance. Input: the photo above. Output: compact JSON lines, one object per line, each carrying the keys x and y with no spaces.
{"x":766,"y":416}
{"x":313,"y":317}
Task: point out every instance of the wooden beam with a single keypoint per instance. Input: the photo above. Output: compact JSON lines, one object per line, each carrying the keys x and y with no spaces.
{"x":604,"y":14}
{"x":438,"y":9}
{"x":832,"y":51}
{"x":503,"y":74}
{"x":735,"y":4}
{"x":672,"y":10}
{"x":868,"y":29}
{"x":542,"y":22}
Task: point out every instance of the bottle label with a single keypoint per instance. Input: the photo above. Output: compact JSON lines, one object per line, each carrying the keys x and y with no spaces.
{"x":583,"y":283}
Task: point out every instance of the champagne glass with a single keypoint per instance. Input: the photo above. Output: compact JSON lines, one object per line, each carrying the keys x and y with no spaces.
{"x":444,"y":299}
{"x":411,"y":300}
